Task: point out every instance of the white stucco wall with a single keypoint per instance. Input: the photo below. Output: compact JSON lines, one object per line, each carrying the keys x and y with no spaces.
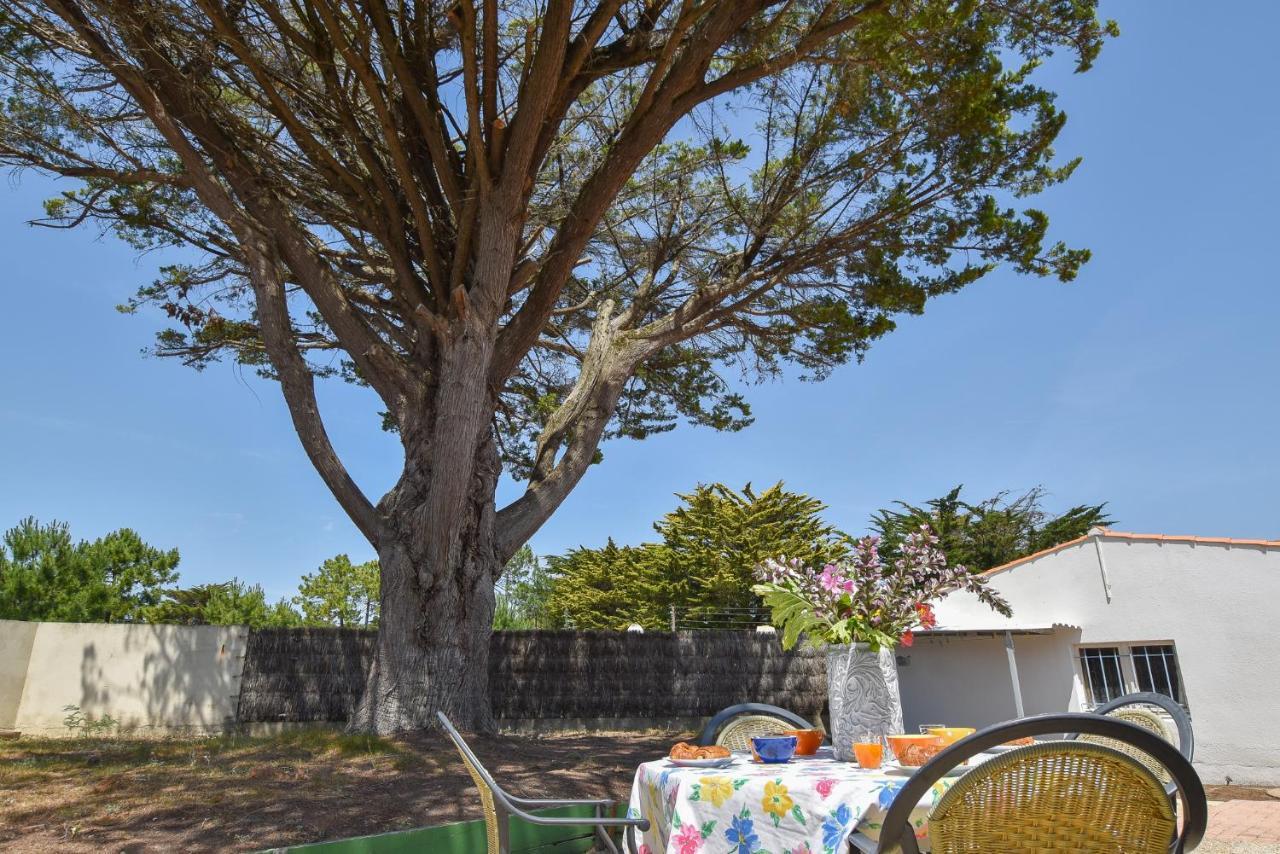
{"x":152,"y":679}
{"x":964,"y":681}
{"x":1212,"y":601}
{"x":15,"y":651}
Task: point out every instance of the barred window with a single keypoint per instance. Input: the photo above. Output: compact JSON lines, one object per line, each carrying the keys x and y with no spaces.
{"x":1156,"y":669}
{"x":1102,"y":678}
{"x":1109,"y":672}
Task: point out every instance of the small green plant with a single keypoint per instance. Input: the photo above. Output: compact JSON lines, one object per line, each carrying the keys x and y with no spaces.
{"x":87,"y":726}
{"x":74,"y":719}
{"x":100,"y":726}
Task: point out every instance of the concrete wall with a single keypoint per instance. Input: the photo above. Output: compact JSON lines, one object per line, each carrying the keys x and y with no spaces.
{"x":152,"y":679}
{"x":15,"y":651}
{"x":1212,"y":601}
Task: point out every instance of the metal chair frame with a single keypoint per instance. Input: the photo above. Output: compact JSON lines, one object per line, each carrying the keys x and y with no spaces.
{"x":725,"y":716}
{"x":897,"y":833}
{"x":506,"y":805}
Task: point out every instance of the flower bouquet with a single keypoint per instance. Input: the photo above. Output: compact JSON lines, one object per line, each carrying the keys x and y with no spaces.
{"x":861,"y":610}
{"x":865,"y":600}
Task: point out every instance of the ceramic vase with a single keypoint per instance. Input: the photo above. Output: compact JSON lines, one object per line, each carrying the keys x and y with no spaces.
{"x":862,"y":691}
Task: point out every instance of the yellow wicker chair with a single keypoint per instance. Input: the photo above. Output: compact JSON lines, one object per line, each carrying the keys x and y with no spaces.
{"x":735,"y":726}
{"x":499,"y":806}
{"x":1156,"y":713}
{"x":1052,"y":796}
{"x":1148,"y":721}
{"x":1056,"y":795}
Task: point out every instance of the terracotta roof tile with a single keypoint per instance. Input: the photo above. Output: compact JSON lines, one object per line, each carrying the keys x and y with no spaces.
{"x":1108,"y":534}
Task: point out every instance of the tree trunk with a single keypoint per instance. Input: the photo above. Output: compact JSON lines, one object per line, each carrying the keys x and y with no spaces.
{"x":437,"y":603}
{"x":440,"y":558}
{"x":432,"y":652}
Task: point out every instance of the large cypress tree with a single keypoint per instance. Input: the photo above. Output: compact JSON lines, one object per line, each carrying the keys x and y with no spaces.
{"x":528,"y":225}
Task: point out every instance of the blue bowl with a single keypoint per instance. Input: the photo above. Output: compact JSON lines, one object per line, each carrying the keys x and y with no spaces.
{"x":773,"y":748}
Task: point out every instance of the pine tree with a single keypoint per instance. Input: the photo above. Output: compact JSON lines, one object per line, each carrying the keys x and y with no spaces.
{"x":45,"y":575}
{"x":340,"y":594}
{"x":987,"y":533}
{"x":231,"y":603}
{"x":609,"y":588}
{"x":703,"y":565}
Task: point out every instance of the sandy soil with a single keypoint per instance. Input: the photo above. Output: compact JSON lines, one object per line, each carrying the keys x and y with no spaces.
{"x":237,"y":794}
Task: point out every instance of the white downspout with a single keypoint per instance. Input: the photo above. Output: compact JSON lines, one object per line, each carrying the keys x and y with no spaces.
{"x":1013,"y":674}
{"x":1096,"y":534}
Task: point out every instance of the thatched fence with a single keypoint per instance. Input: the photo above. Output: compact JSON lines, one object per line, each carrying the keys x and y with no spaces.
{"x":295,"y":675}
{"x":544,"y":678}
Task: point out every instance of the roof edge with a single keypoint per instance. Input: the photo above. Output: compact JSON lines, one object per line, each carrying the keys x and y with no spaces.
{"x":1108,"y":534}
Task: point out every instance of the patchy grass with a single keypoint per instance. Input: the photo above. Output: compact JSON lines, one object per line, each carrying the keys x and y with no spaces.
{"x":244,"y":793}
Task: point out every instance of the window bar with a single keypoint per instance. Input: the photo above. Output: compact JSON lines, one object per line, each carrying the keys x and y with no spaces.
{"x":1164,"y":659}
{"x":1106,"y":683}
{"x":1112,"y":660}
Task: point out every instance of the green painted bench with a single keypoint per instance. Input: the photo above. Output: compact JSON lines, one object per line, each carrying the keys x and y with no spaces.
{"x":464,"y":837}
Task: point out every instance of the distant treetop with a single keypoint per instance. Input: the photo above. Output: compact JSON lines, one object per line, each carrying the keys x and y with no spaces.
{"x":990,"y":532}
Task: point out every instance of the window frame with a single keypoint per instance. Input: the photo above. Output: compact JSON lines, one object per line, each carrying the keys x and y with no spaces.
{"x":1128,"y":670}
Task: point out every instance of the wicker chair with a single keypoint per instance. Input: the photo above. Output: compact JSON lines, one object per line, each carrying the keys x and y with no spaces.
{"x":735,"y":726}
{"x":1154,"y":712}
{"x":1051,"y":796}
{"x":499,"y":806}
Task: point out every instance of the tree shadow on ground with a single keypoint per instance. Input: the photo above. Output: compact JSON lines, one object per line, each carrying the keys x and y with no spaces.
{"x":233,"y":794}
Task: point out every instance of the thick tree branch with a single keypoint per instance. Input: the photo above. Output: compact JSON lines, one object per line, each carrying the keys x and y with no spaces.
{"x":298,"y":386}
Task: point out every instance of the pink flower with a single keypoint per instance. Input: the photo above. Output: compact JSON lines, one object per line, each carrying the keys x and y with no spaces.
{"x":802,"y":848}
{"x":688,"y":840}
{"x":824,"y":787}
{"x":830,"y":579}
{"x":645,"y":849}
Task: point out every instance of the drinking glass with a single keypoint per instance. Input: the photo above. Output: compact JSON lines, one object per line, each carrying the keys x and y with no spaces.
{"x":868,"y":749}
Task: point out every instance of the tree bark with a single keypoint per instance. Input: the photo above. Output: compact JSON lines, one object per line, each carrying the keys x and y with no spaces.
{"x":432,"y":651}
{"x":437,"y":603}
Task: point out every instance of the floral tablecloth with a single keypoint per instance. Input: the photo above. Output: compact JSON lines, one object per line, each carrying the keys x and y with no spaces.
{"x":810,"y":805}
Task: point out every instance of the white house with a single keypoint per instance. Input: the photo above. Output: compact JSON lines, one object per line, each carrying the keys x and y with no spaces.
{"x":1111,"y":613}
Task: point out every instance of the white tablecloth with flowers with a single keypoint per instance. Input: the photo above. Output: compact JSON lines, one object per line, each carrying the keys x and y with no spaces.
{"x":810,"y":805}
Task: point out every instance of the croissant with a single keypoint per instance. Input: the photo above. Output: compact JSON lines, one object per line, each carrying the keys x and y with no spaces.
{"x":684,"y":750}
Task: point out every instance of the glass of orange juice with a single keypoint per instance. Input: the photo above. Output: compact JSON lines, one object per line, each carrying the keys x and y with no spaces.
{"x":868,"y":749}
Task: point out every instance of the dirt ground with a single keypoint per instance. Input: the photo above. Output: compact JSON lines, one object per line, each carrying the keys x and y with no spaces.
{"x":1238,"y":793}
{"x":243,"y":794}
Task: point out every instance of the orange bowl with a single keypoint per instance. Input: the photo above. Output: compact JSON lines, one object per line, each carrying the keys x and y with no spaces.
{"x":915,"y":750}
{"x":951,"y":734}
{"x":807,"y":740}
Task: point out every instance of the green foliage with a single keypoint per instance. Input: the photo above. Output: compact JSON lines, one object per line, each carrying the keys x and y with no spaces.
{"x":793,"y":612}
{"x":340,"y":594}
{"x":86,"y":725}
{"x":523,"y":594}
{"x":991,"y":532}
{"x":231,"y":603}
{"x":849,"y":162}
{"x":610,"y":587}
{"x":45,"y":575}
{"x":719,"y":536}
{"x":703,"y":564}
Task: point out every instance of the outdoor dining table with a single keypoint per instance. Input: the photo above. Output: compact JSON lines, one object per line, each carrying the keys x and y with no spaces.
{"x":810,"y":805}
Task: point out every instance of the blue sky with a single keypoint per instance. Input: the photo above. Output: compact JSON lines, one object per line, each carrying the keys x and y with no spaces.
{"x":1149,"y":382}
